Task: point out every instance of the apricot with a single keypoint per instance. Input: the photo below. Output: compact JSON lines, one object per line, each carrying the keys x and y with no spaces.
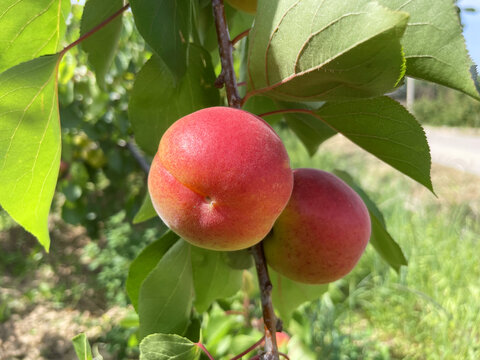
{"x":323,"y":231}
{"x":249,"y":6}
{"x":220,"y":178}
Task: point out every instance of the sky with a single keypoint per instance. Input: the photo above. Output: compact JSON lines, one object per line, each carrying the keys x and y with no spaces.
{"x":471,"y":29}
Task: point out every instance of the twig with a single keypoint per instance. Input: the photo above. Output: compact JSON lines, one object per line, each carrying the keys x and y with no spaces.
{"x":269,"y":318}
{"x":240,"y":36}
{"x":135,"y":151}
{"x":245,"y":352}
{"x":204,"y":349}
{"x":234,"y":100}
{"x":226,"y":57}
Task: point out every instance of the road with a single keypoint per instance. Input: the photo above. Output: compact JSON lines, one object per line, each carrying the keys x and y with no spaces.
{"x":455,"y":149}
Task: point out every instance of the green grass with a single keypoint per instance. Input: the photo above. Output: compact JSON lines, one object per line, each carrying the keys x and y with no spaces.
{"x":431,"y":309}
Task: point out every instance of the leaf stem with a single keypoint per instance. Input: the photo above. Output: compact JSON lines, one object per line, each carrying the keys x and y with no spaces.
{"x":246,"y":351}
{"x":204,"y":349}
{"x":286,"y":111}
{"x":95,"y":29}
{"x":235,"y":101}
{"x":240,"y":36}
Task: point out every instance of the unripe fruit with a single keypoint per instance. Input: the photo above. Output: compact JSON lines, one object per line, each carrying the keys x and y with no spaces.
{"x":322,"y":232}
{"x":220,"y":178}
{"x":249,"y":6}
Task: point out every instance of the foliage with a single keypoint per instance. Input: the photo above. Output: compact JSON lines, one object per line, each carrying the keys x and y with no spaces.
{"x":95,"y":133}
{"x":110,"y":257}
{"x":54,"y":117}
{"x":437,"y":105}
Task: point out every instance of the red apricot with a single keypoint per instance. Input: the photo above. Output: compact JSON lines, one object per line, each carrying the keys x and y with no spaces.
{"x":322,"y":232}
{"x":220,"y":178}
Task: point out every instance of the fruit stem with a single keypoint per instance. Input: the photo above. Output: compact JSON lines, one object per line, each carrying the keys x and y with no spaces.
{"x":234,"y":100}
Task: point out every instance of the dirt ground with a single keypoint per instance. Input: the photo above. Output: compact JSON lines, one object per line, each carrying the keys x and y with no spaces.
{"x":39,"y":329}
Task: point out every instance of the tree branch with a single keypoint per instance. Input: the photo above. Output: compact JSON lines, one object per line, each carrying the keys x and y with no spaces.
{"x":234,"y":100}
{"x":135,"y":151}
{"x":226,"y":57}
{"x":269,"y":318}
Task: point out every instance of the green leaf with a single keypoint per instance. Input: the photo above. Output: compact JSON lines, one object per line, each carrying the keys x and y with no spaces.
{"x":309,"y":130}
{"x":146,"y":211}
{"x":385,"y":245}
{"x":387,"y":130}
{"x":213,"y":278}
{"x":262,"y":104}
{"x":168,"y":347}
{"x":145,"y":262}
{"x":102,"y":45}
{"x":30,"y":28}
{"x":165,"y":26}
{"x":288,"y":295}
{"x":434,"y":45}
{"x":239,"y":260}
{"x":166,"y":295}
{"x":381,"y":240}
{"x":82,"y":347}
{"x":325,"y":50}
{"x":156,"y":103}
{"x":29,"y":143}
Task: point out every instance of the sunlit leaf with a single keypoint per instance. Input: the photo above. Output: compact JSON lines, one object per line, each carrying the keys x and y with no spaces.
{"x":156,"y":103}
{"x":213,"y":278}
{"x":101,"y":46}
{"x":168,"y":347}
{"x":387,"y":130}
{"x":165,"y":26}
{"x":309,"y":130}
{"x":82,"y":347}
{"x":434,"y":45}
{"x":381,"y":240}
{"x":145,"y":262}
{"x":165,"y":299}
{"x":325,"y":50}
{"x":29,"y":143}
{"x":146,"y":211}
{"x":30,"y":28}
{"x":288,"y":295}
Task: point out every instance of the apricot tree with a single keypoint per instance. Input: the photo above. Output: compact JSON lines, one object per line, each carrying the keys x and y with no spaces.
{"x":320,"y":67}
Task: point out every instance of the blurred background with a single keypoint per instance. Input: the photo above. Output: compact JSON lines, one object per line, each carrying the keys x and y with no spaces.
{"x":429,"y":310}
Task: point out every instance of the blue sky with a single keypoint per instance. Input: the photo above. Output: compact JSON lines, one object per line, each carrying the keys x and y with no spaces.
{"x":471,"y":30}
